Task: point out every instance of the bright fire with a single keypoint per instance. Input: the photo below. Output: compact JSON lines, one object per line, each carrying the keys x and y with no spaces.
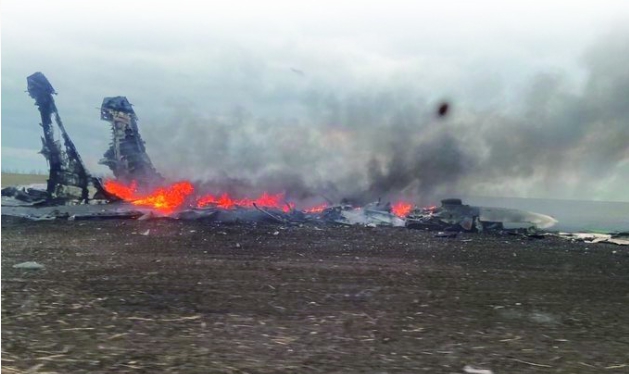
{"x":227,"y":202}
{"x":401,"y":208}
{"x":164,"y":199}
{"x":122,"y":191}
{"x":170,"y":198}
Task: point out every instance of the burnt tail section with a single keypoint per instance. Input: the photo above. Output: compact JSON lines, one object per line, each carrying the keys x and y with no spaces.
{"x":68,"y":177}
{"x":126,"y":156}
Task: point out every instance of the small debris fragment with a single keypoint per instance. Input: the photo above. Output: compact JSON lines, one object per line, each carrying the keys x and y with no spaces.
{"x":531,"y":363}
{"x":146,"y":216}
{"x":276,"y":233}
{"x":443,"y":234}
{"x":619,"y":366}
{"x":472,"y":370}
{"x":145,"y":233}
{"x":29,"y":265}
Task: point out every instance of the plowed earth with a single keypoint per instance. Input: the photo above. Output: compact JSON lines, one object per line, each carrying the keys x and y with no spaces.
{"x":198,"y":297}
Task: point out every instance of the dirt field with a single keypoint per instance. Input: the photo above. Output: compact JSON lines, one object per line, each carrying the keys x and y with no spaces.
{"x":12,"y":179}
{"x":194,"y":297}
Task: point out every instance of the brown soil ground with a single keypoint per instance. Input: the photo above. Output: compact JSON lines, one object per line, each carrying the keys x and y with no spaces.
{"x":194,"y":297}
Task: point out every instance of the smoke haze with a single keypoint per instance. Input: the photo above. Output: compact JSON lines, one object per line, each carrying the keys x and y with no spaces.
{"x":388,"y":141}
{"x":337,"y":99}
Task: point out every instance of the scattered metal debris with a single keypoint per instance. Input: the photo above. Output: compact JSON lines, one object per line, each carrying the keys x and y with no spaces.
{"x":24,"y":195}
{"x":617,"y":238}
{"x":453,"y":215}
{"x":371,"y":215}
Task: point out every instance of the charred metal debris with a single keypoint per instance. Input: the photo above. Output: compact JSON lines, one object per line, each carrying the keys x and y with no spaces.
{"x":70,"y":182}
{"x":68,"y":177}
{"x":453,"y":215}
{"x":126,"y":156}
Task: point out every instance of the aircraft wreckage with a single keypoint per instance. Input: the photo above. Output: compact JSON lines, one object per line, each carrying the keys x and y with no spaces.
{"x":126,"y":156}
{"x":68,"y":177}
{"x":139,"y":191}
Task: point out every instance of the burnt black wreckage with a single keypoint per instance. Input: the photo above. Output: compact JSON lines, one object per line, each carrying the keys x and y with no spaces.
{"x":68,"y":178}
{"x":453,"y":215}
{"x":70,"y":183}
{"x":126,"y":156}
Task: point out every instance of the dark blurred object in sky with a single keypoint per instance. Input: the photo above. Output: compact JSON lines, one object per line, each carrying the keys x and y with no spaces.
{"x":444,"y":107}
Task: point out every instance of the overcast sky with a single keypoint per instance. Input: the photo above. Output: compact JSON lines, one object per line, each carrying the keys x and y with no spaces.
{"x":243,"y":88}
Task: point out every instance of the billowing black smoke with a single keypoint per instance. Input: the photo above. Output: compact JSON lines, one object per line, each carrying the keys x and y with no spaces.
{"x":392,"y":143}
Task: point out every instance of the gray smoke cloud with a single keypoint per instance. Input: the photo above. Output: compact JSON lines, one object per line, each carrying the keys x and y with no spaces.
{"x":385,"y":139}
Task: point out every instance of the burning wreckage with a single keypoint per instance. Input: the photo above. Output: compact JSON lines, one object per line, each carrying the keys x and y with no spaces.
{"x":139,"y":191}
{"x":68,"y":177}
{"x":126,"y":156}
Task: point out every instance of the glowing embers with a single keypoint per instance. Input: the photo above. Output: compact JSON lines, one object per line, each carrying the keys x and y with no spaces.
{"x":164,"y":199}
{"x":316,"y":209}
{"x":400,"y":208}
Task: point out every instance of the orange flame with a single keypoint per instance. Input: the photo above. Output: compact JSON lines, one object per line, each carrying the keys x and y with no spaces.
{"x":401,"y":208}
{"x":167,"y":199}
{"x":164,"y":199}
{"x":122,"y":191}
{"x":227,"y":202}
{"x":170,"y":198}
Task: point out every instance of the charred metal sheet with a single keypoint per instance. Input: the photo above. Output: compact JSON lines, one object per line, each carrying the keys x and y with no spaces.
{"x":126,"y":156}
{"x":593,"y":238}
{"x":24,"y":195}
{"x":68,"y":177}
{"x":453,"y":215}
{"x":371,"y":215}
